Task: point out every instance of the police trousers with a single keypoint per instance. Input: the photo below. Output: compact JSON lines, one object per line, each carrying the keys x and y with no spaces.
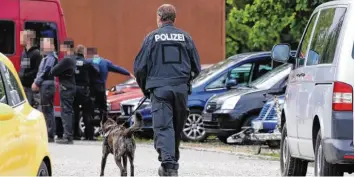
{"x":29,"y":94}
{"x":100,"y":102}
{"x":82,"y":98}
{"x":47,"y":91}
{"x":169,"y":112}
{"x":66,"y":103}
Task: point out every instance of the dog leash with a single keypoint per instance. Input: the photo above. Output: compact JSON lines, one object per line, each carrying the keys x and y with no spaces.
{"x":139,"y":105}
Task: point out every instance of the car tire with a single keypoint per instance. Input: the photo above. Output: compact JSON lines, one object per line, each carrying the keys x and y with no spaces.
{"x":321,"y":166}
{"x":193,"y":129}
{"x":43,"y":170}
{"x":290,"y":166}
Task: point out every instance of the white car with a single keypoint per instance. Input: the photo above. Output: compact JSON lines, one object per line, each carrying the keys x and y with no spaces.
{"x":317,"y":117}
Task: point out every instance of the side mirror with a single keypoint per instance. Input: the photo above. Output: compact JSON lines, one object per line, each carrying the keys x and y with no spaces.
{"x":231,"y":83}
{"x":7,"y":112}
{"x":281,"y":53}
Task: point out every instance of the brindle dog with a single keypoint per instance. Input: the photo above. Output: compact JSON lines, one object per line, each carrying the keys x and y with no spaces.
{"x":119,"y":141}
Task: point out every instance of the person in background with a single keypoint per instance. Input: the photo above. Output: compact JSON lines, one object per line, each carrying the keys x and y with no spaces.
{"x":65,"y":71}
{"x":30,"y":61}
{"x":163,"y":68}
{"x":84,"y":69}
{"x":99,"y":86}
{"x":44,"y":83}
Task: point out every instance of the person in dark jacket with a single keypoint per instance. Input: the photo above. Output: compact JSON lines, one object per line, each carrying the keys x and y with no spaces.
{"x":45,"y":84}
{"x":99,"y":88}
{"x":30,"y":61}
{"x":65,"y":71}
{"x":84,"y":69}
{"x":163,"y":69}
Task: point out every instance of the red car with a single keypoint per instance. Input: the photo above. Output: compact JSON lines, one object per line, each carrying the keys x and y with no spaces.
{"x":114,"y":101}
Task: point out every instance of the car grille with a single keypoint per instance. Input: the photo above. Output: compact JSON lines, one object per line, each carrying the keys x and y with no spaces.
{"x":127,"y":110}
{"x":211,"y":107}
{"x":210,"y":125}
{"x":271,"y":115}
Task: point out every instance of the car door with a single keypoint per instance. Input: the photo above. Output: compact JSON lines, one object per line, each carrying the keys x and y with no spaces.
{"x":11,"y":146}
{"x":27,"y":132}
{"x":292,"y":104}
{"x":317,"y":75}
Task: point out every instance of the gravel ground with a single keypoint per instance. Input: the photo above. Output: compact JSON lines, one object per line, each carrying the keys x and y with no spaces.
{"x":83,"y":159}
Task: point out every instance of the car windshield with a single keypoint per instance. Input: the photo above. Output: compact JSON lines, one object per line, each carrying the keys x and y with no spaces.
{"x":206,"y":74}
{"x":270,"y":78}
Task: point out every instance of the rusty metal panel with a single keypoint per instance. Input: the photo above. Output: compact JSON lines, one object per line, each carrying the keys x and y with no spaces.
{"x":118,"y":27}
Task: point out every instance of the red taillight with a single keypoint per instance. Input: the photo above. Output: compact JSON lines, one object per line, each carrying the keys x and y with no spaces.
{"x":342,"y":97}
{"x":348,"y":156}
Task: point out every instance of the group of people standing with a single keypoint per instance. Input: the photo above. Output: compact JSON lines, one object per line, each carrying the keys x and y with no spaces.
{"x":82,"y":75}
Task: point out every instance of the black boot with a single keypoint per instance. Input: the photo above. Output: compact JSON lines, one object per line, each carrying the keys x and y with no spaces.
{"x":65,"y":140}
{"x":167,"y":172}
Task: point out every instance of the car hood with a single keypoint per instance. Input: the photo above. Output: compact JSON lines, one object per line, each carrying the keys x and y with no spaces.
{"x":235,"y":92}
{"x":125,"y":96}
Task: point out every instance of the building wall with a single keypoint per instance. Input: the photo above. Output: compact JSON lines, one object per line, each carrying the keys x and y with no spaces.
{"x":118,"y":27}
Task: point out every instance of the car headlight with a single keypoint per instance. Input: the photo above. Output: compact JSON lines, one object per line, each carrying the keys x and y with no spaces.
{"x":108,"y":106}
{"x":230,"y":102}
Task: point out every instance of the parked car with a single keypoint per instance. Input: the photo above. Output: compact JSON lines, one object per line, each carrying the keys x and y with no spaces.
{"x":123,"y":87}
{"x":114,"y":102}
{"x":23,"y":131}
{"x":226,"y":113}
{"x":263,"y":129}
{"x":239,"y":70}
{"x":317,"y":118}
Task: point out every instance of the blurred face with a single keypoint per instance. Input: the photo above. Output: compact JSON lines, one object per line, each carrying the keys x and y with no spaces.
{"x":23,"y":36}
{"x":47,"y":45}
{"x":63,"y":48}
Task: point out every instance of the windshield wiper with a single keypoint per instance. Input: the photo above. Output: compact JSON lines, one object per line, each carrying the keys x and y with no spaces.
{"x":251,"y":86}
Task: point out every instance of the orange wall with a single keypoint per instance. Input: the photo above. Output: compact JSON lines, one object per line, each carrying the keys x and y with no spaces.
{"x":118,"y":27}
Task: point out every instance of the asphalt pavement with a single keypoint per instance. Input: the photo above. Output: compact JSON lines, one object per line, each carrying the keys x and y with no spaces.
{"x":84,"y":159}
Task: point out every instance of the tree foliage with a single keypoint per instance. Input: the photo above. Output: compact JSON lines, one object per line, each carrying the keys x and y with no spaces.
{"x":257,"y":25}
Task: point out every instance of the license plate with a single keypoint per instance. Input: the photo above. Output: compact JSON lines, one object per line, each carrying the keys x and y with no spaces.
{"x":257,"y":125}
{"x":207,"y":117}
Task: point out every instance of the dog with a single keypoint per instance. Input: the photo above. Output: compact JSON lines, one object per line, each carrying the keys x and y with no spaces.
{"x":119,"y":141}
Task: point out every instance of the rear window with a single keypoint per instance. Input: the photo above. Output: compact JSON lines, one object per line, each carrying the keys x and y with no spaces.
{"x":7,"y":37}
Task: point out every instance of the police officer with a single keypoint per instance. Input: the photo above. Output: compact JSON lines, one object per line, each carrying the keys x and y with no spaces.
{"x":30,"y":61}
{"x":45,"y":84}
{"x":82,"y":97}
{"x":99,"y":87}
{"x":65,"y":71}
{"x":163,"y":69}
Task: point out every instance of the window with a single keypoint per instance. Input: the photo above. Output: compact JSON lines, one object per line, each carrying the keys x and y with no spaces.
{"x":325,"y":37}
{"x":14,"y":90}
{"x":3,"y":98}
{"x":219,"y":83}
{"x":304,"y":45}
{"x":44,"y":29}
{"x":7,"y":37}
{"x":240,"y":73}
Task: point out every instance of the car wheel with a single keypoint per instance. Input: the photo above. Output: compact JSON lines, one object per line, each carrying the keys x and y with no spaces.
{"x":290,"y":166}
{"x":43,"y":170}
{"x":193,"y":129}
{"x":81,"y":125}
{"x":321,"y":166}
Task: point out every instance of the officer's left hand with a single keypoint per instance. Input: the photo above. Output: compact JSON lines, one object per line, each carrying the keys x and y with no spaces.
{"x":35,"y":87}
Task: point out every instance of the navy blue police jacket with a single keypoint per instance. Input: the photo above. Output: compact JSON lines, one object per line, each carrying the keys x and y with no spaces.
{"x":167,"y":57}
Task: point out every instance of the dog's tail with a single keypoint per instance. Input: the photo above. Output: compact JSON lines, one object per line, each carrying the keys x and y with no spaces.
{"x":138,"y":124}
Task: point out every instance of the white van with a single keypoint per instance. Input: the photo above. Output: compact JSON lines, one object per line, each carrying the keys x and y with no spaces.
{"x":317,"y":117}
